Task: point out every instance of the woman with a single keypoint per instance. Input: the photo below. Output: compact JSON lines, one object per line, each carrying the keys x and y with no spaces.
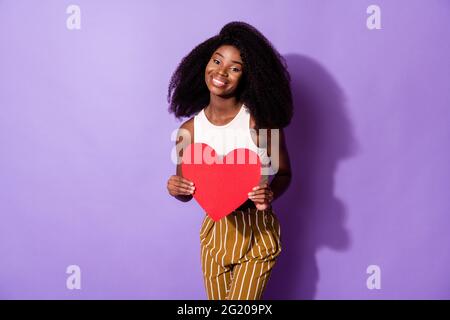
{"x":232,"y":83}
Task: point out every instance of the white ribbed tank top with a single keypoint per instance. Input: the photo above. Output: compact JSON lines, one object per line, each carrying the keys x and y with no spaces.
{"x":234,"y":134}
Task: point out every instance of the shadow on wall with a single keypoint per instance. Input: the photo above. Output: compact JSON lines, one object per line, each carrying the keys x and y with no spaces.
{"x":310,"y":214}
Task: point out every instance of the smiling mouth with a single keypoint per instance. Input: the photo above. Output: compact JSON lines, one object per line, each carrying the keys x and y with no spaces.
{"x":218,"y":83}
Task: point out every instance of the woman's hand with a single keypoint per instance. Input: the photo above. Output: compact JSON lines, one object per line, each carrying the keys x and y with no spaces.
{"x":179,"y":186}
{"x":262,"y":196}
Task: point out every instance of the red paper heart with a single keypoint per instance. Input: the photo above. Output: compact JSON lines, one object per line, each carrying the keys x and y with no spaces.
{"x":221,"y":184}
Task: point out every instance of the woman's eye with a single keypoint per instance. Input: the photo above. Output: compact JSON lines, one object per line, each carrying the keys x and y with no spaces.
{"x":215,"y":60}
{"x":236,"y":70}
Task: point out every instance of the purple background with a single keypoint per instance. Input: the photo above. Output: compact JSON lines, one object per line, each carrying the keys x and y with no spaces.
{"x":85,"y":148}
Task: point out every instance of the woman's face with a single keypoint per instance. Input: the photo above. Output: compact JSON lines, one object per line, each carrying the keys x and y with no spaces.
{"x":223,"y":71}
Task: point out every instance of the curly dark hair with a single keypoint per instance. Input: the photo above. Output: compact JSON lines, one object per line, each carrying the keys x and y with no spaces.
{"x":264,"y":86}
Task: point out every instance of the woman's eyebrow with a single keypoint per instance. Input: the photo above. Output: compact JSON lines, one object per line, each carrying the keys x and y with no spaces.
{"x":231,"y":60}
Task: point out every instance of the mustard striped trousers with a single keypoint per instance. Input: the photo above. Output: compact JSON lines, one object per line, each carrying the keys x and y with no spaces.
{"x":238,"y":253}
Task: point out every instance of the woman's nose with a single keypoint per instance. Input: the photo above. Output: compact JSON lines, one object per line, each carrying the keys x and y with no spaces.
{"x":223,"y":72}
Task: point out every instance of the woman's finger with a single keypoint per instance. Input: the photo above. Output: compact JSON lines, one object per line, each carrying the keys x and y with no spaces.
{"x":188,"y":182}
{"x":261,"y":191}
{"x":184,"y":181}
{"x":262,"y":195}
{"x":182,"y":188}
{"x":184,"y":191}
{"x":259,"y":200}
{"x":267,"y":196}
{"x":180,"y":183}
{"x":262,"y":186}
{"x":259,"y":197}
{"x":174,"y":190}
{"x":184,"y":185}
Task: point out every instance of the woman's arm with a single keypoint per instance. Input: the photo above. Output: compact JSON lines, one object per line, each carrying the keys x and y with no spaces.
{"x":263,"y":195}
{"x":179,"y":187}
{"x":282,"y":178}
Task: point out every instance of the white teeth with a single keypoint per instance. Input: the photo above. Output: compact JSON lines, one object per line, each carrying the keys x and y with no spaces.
{"x":218,"y":83}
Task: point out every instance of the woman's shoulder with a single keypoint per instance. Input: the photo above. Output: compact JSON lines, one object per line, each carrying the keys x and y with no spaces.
{"x":188,"y":125}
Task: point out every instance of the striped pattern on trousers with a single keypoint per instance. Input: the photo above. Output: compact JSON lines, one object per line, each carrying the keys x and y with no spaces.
{"x":238,"y":253}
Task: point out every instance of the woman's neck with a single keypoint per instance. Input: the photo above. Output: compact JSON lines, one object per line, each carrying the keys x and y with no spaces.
{"x":220,"y":108}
